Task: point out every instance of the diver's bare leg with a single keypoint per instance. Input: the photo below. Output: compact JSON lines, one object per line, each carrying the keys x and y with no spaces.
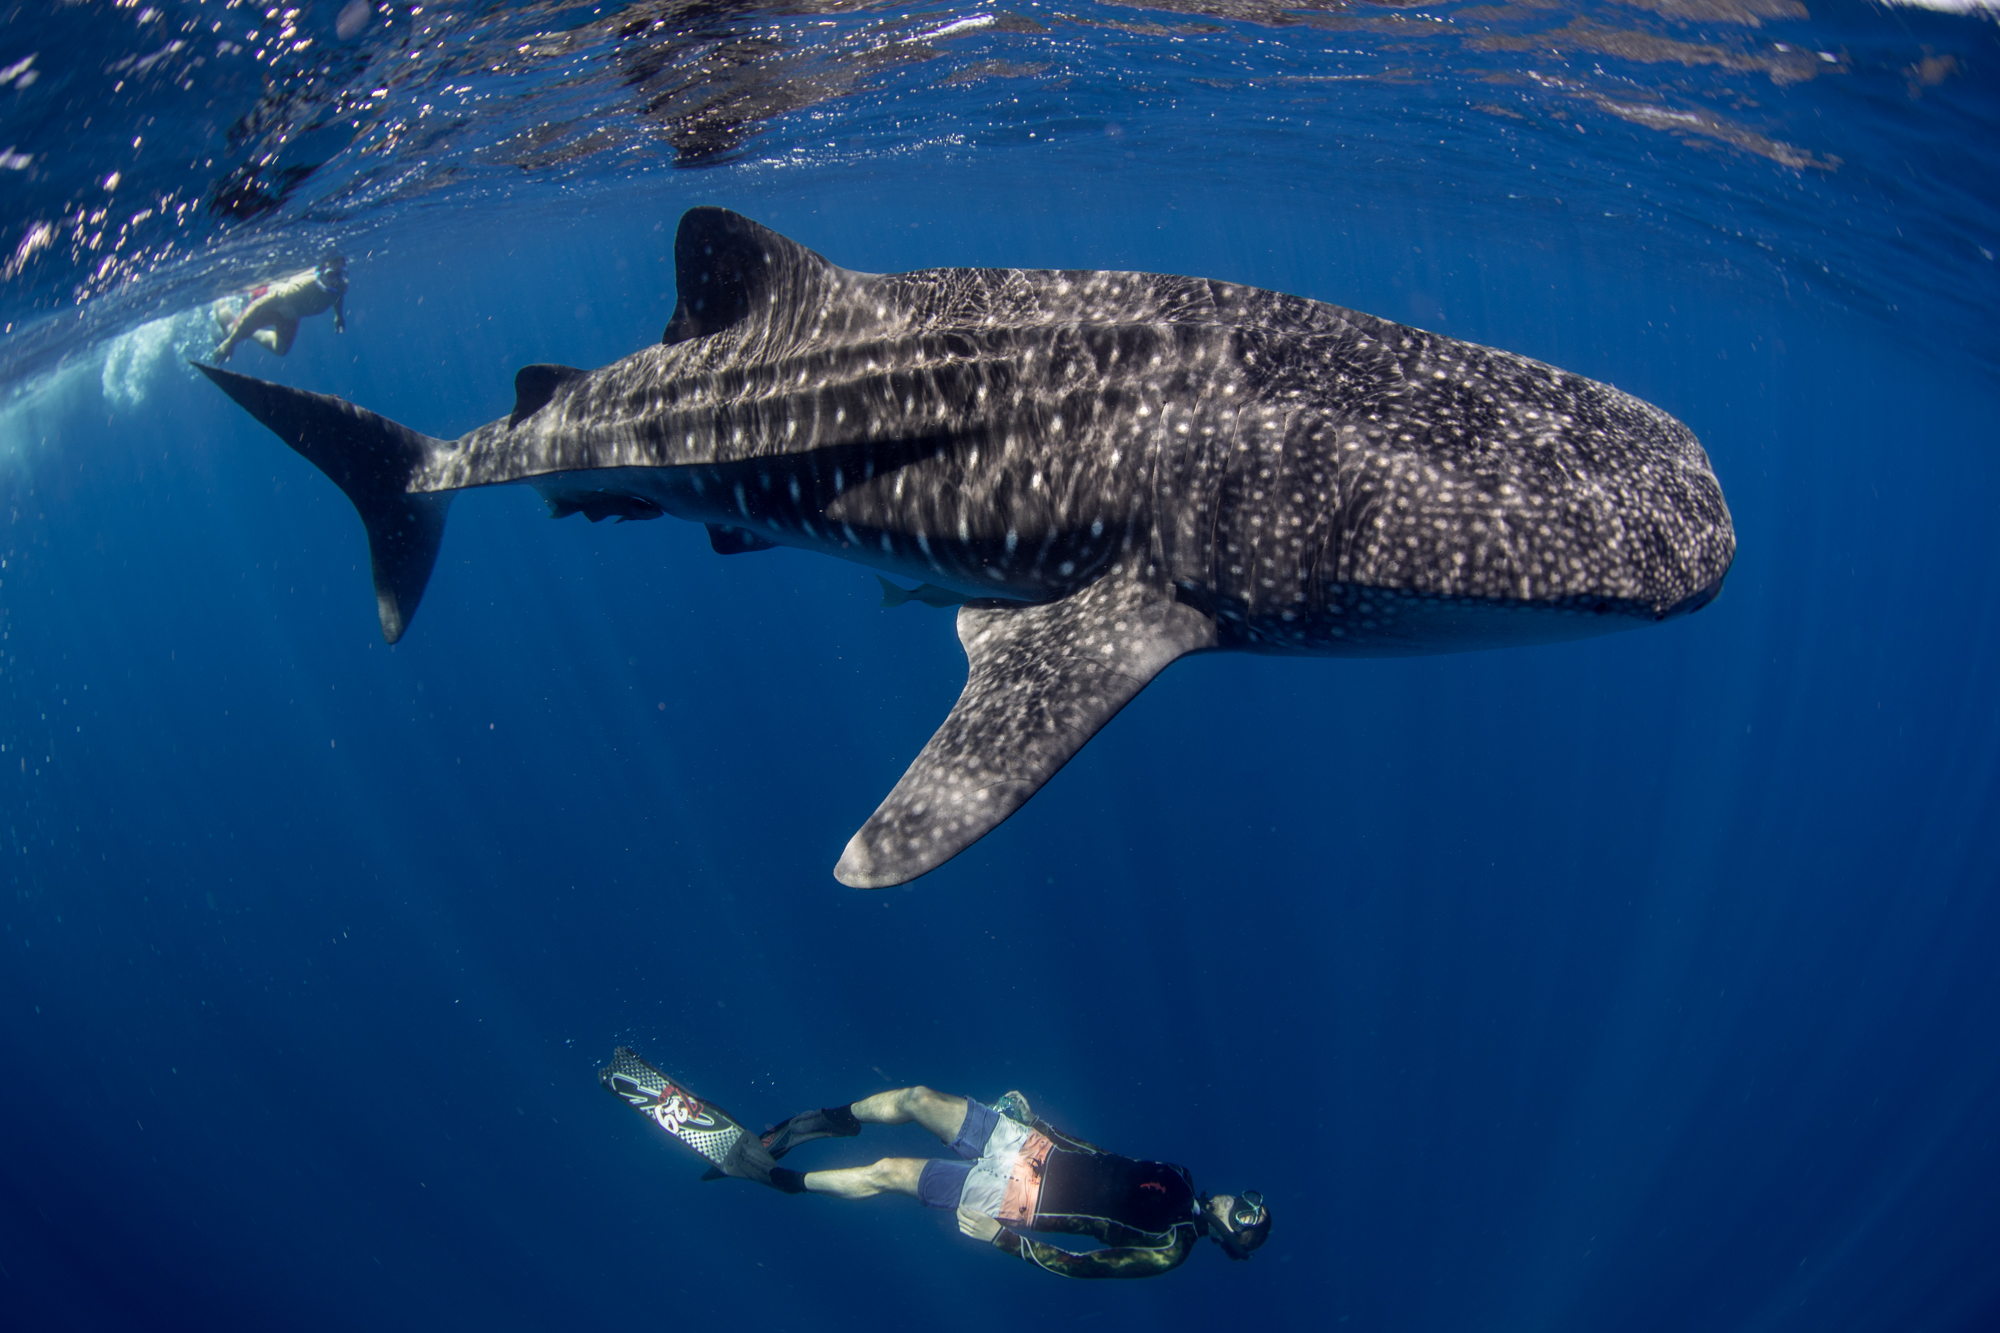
{"x":891,"y":1175}
{"x":940,"y":1112}
{"x":259,"y":314}
{"x":280,"y":335}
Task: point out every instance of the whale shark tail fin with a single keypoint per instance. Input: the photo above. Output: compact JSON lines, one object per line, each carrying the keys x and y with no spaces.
{"x":372,"y":459}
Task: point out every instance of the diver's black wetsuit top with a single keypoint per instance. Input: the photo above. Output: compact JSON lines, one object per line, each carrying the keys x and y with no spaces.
{"x":1145,"y":1213}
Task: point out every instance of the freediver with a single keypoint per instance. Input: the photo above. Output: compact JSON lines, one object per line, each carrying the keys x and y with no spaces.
{"x":272,"y":313}
{"x":1014,"y":1173}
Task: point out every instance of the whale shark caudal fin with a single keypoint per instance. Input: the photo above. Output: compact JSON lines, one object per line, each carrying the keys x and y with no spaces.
{"x":371,"y":458}
{"x":1042,"y":681}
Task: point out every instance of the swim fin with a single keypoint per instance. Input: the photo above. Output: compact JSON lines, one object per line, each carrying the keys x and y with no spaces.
{"x":828,"y":1122}
{"x":702,"y":1126}
{"x":781,"y":1178}
{"x":750,"y":1160}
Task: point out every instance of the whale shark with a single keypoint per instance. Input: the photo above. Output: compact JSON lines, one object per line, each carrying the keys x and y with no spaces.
{"x":1109,"y":471}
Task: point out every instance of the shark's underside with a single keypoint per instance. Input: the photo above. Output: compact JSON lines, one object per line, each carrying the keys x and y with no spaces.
{"x":1113,"y":469}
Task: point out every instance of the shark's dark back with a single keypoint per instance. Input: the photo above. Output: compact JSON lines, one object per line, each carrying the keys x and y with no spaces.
{"x":773,"y":294}
{"x":1314,"y":449}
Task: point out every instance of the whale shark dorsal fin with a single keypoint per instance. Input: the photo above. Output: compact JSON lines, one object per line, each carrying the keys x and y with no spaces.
{"x":728,"y":269}
{"x":1042,"y":681}
{"x":535,"y":385}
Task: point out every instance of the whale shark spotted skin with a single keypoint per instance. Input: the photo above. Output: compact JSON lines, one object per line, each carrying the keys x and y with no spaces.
{"x":1114,"y":470}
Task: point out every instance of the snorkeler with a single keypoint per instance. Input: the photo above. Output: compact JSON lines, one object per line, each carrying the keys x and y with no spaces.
{"x":273,"y":312}
{"x":1015,"y":1173}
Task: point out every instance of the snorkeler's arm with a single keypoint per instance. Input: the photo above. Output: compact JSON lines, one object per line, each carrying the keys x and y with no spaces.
{"x":340,"y":312}
{"x":1120,"y":1261}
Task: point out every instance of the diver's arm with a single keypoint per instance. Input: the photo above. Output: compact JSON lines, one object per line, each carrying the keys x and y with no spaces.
{"x":340,"y":312}
{"x":1120,"y":1261}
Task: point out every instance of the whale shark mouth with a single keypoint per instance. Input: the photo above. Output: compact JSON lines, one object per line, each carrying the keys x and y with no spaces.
{"x":1695,"y":600}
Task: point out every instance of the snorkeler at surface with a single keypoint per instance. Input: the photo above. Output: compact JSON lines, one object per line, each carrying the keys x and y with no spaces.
{"x":273,"y":312}
{"x":1015,"y":1173}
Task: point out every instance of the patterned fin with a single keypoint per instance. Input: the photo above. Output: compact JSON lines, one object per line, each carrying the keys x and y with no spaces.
{"x":702,"y":1126}
{"x":1042,"y":681}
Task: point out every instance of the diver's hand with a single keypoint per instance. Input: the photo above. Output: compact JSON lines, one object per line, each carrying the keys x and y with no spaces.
{"x":977,"y":1225}
{"x":339,"y":324}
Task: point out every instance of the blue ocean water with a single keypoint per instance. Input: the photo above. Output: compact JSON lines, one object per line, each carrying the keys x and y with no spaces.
{"x":1643,"y":982}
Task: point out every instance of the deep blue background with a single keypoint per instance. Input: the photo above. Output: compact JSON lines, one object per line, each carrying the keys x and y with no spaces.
{"x":1639,"y":983}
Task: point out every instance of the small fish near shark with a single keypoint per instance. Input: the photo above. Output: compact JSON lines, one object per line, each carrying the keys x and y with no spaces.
{"x":1107,"y":471}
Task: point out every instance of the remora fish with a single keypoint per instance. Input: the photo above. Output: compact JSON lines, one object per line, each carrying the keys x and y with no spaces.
{"x":1117,"y":469}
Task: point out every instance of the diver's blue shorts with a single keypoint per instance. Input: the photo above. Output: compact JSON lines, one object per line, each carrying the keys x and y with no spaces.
{"x":942,"y":1182}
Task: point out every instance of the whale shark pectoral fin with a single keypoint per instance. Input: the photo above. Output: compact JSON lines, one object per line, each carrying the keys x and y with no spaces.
{"x":535,"y":385}
{"x":725,"y":540}
{"x":1042,"y":681}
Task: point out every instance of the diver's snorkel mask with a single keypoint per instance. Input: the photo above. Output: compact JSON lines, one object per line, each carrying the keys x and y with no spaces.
{"x":1244,"y":1228}
{"x":1248,"y":1212}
